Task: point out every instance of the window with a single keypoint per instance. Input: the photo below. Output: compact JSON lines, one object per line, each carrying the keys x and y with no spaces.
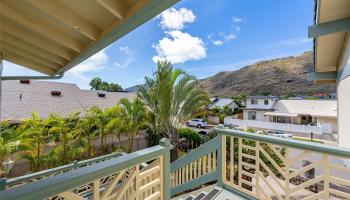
{"x":266,"y":102}
{"x":254,"y":101}
{"x":252,"y":115}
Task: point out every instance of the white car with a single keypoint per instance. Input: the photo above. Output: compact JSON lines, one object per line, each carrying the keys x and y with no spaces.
{"x":199,"y":123}
{"x":282,"y":134}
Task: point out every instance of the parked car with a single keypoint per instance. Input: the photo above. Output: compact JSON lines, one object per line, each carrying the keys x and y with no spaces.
{"x":199,"y":123}
{"x":282,"y":134}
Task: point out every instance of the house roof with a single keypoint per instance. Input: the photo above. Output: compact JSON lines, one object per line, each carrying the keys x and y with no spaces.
{"x":262,"y":97}
{"x":221,"y":102}
{"x":316,"y":108}
{"x":53,"y":36}
{"x":20,"y":100}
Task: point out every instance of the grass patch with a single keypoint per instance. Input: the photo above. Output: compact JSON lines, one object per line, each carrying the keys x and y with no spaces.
{"x":308,"y":139}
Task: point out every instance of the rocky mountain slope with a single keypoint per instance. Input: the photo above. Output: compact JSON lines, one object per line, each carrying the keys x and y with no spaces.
{"x":281,"y":76}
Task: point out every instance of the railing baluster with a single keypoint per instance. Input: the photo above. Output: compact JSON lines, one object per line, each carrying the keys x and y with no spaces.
{"x":257,"y":166}
{"x":240,"y":162}
{"x":231,"y":159}
{"x":287,"y":173}
{"x":209,"y":162}
{"x":214,"y":160}
{"x":326,"y":176}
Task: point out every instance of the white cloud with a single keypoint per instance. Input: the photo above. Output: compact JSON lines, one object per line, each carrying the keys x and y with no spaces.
{"x":93,"y":64}
{"x":237,"y":19}
{"x":126,"y":50}
{"x":128,"y":60}
{"x":173,"y":19}
{"x":179,"y":47}
{"x":288,"y":42}
{"x":223,"y":38}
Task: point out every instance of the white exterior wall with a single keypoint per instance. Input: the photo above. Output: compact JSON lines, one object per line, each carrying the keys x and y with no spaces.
{"x":343,"y":92}
{"x":328,"y":120}
{"x":260,"y":104}
{"x":273,"y":126}
{"x":259,"y":115}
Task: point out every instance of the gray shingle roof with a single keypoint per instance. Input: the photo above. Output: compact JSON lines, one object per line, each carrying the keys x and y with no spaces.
{"x":36,"y":97}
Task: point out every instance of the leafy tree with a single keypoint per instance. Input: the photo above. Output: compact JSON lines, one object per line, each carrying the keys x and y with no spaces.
{"x":114,"y":87}
{"x":101,"y":120}
{"x":173,"y":97}
{"x":98,"y":84}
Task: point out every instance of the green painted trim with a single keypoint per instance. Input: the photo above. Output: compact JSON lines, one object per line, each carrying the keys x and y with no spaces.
{"x":314,"y":76}
{"x":326,"y":28}
{"x":239,"y":192}
{"x":152,"y":9}
{"x":166,"y":168}
{"x":317,"y":147}
{"x":20,"y":179}
{"x":219,"y":142}
{"x":59,"y":76}
{"x":197,"y":153}
{"x":56,"y":184}
{"x":344,"y":72}
{"x":209,"y":177}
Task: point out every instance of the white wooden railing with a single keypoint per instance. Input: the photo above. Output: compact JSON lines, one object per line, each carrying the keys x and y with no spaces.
{"x":266,"y":167}
{"x":140,"y":175}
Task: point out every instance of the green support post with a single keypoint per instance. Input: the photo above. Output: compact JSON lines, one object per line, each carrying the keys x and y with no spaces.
{"x":75,"y":164}
{"x":166,"y":167}
{"x":3,"y":184}
{"x":219,"y":145}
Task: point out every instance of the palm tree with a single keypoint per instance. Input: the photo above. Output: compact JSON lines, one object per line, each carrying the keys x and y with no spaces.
{"x":101,"y":120}
{"x":173,"y":97}
{"x":131,"y":119}
{"x":88,"y":132}
{"x":115,"y":124}
{"x":66,"y":128}
{"x":35,"y":135}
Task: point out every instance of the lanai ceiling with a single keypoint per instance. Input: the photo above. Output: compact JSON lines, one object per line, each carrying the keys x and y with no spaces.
{"x":52,"y":36}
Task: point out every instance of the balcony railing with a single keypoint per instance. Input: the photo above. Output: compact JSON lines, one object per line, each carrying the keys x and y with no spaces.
{"x":139,"y":175}
{"x":252,"y":165}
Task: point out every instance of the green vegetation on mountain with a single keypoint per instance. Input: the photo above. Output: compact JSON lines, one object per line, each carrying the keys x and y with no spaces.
{"x":281,"y":76}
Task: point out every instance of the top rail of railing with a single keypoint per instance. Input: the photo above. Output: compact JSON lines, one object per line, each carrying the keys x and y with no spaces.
{"x":58,"y":170}
{"x":56,"y":184}
{"x":316,"y":147}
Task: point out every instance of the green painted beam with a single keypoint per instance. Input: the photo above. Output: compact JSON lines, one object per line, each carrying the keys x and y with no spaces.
{"x":152,"y":9}
{"x":59,"y":76}
{"x":209,"y":177}
{"x":317,"y":147}
{"x":326,"y":28}
{"x":344,"y":72}
{"x":314,"y":76}
{"x":197,"y":153}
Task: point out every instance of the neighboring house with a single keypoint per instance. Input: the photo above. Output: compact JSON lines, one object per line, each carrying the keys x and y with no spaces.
{"x":321,"y":113}
{"x":21,"y":99}
{"x":222,"y":102}
{"x":256,"y":107}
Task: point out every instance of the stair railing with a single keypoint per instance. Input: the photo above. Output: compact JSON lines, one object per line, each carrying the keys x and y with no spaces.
{"x":266,"y":167}
{"x":196,"y":168}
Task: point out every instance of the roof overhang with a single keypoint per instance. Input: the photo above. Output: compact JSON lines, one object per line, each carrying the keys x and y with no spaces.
{"x":281,"y":114}
{"x":51,"y":37}
{"x":332,"y":25}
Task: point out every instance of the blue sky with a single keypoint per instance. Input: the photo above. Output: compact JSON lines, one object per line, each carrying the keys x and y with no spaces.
{"x":200,"y":37}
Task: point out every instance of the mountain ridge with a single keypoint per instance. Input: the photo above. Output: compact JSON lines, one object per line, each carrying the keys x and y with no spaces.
{"x":280,"y":76}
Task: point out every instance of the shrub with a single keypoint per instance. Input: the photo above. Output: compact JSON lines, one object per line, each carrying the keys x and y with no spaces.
{"x":190,"y":135}
{"x":250,"y":130}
